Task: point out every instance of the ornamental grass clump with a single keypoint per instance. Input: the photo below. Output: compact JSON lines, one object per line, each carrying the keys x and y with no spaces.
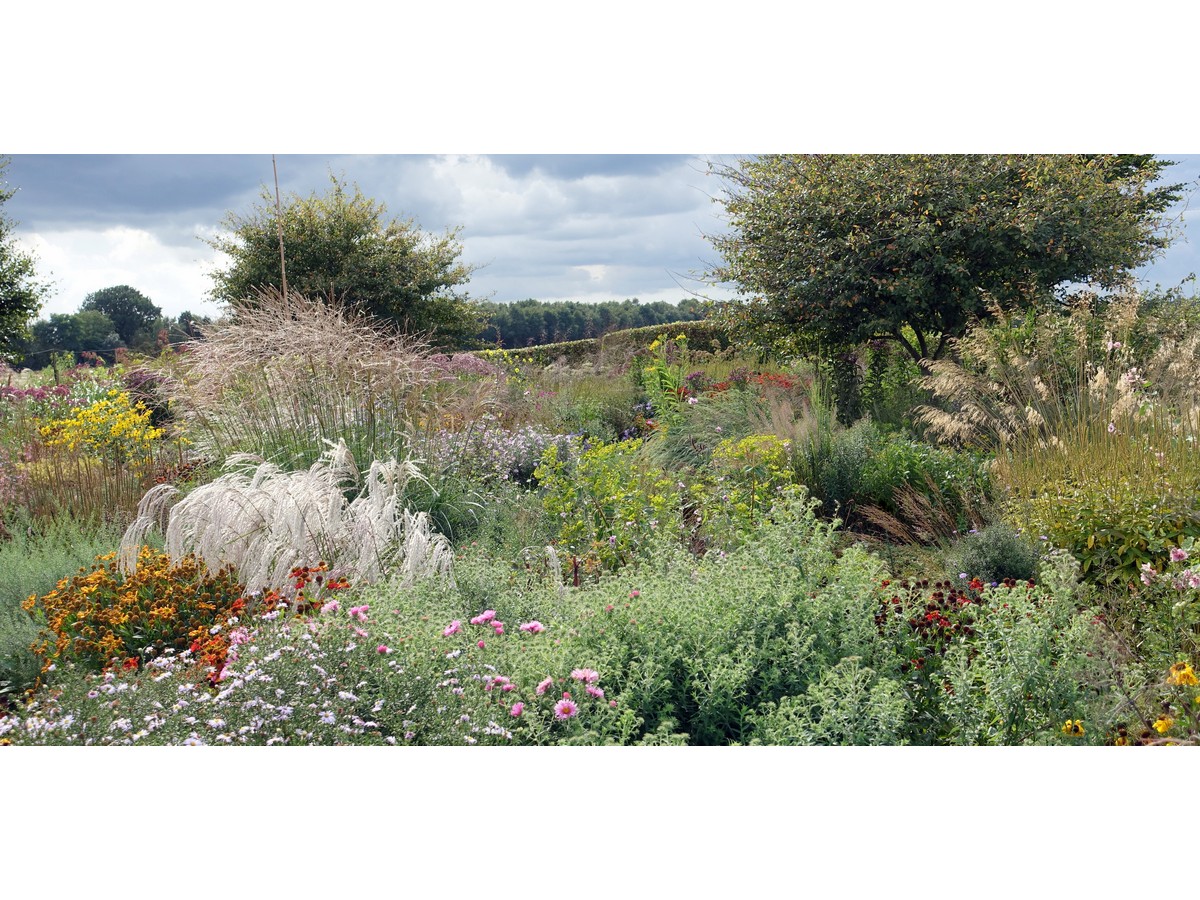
{"x":265,"y":521}
{"x":1094,"y":417}
{"x":284,"y":373}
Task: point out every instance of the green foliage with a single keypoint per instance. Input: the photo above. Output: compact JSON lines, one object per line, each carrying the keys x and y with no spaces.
{"x":981,"y":665}
{"x":849,"y":248}
{"x":994,"y":553}
{"x":129,"y":310}
{"x":609,"y":503}
{"x":341,"y":246}
{"x":532,"y":322}
{"x":848,"y":706}
{"x":1113,"y":525}
{"x":20,"y":293}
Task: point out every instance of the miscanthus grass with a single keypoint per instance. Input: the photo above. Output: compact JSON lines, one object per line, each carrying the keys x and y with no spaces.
{"x":266,"y":521}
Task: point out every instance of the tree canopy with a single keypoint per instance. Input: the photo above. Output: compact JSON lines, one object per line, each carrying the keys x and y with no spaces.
{"x":20,"y":292}
{"x":341,"y":246}
{"x":129,"y":310}
{"x":842,"y":249}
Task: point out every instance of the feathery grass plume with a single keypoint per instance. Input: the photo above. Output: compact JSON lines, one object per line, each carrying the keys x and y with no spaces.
{"x":284,"y":372}
{"x":266,"y":521}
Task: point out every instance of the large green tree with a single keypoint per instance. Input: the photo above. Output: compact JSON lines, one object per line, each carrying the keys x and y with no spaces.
{"x":20,"y":292}
{"x":911,"y":248}
{"x":341,"y":245}
{"x":129,"y":310}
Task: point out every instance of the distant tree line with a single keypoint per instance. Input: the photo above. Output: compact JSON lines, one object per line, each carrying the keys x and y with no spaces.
{"x":110,"y":320}
{"x":527,"y":323}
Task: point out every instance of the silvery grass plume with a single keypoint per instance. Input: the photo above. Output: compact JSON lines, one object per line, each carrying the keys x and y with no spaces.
{"x":265,"y":521}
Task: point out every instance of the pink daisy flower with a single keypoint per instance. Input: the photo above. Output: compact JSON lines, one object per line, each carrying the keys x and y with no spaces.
{"x":484,"y":617}
{"x":382,"y":648}
{"x":595,"y":691}
{"x":544,"y":686}
{"x":517,"y":709}
{"x":533,"y":627}
{"x":566,"y":709}
{"x":591,"y":676}
{"x":1178,"y":554}
{"x":453,"y":628}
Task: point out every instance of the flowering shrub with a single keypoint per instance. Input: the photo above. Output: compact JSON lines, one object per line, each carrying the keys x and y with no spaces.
{"x":111,"y":428}
{"x":750,"y":473}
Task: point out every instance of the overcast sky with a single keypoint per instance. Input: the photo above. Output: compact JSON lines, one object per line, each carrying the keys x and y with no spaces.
{"x":566,"y":227}
{"x":558,"y":227}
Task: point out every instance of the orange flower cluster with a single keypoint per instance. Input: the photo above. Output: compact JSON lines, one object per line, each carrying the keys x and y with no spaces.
{"x":102,"y":615}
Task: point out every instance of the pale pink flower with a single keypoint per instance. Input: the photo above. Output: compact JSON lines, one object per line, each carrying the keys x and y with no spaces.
{"x":331,"y":606}
{"x":517,"y":709}
{"x":591,"y":676}
{"x":612,"y":703}
{"x":1148,"y":573}
{"x":382,"y":648}
{"x":484,"y":617}
{"x":360,"y":612}
{"x":1193,"y":580}
{"x":566,"y":709}
{"x":1178,"y":554}
{"x":533,"y":627}
{"x":544,"y":686}
{"x":453,"y":628}
{"x":360,"y":632}
{"x":595,"y":691}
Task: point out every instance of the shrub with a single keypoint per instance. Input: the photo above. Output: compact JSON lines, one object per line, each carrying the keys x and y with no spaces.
{"x":994,"y":553}
{"x":1113,"y":524}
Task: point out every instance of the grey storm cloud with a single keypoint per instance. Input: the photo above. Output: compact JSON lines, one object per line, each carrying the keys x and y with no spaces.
{"x":551,"y":227}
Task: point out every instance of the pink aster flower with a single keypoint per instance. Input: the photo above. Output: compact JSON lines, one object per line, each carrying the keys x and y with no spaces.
{"x":544,"y":686}
{"x":360,"y":612}
{"x":1148,"y":573}
{"x":1178,"y":554}
{"x":533,"y":627}
{"x":591,"y":676}
{"x":566,"y":709}
{"x":360,"y":632}
{"x":595,"y":691}
{"x":635,"y":593}
{"x":382,"y":648}
{"x":480,"y":644}
{"x":331,"y":606}
{"x":453,"y":628}
{"x":484,"y":617}
{"x":498,"y":627}
{"x":517,"y":709}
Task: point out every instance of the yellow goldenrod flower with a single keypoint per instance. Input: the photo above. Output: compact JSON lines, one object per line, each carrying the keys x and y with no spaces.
{"x":1182,"y":674}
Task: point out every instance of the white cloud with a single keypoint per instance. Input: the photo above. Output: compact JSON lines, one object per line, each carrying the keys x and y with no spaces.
{"x":80,"y":261}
